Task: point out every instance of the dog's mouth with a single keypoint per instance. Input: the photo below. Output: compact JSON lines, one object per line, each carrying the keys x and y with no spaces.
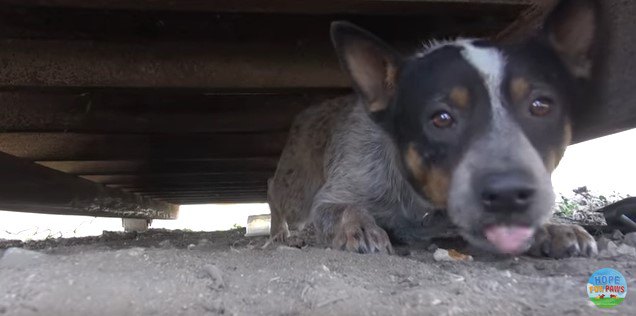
{"x":502,"y":238}
{"x":509,"y":239}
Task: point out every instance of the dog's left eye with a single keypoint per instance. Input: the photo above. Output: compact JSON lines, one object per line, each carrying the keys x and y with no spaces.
{"x":541,"y":107}
{"x":442,"y":119}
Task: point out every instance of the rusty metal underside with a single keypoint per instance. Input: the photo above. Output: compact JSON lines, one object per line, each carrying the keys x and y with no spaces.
{"x":188,"y":102}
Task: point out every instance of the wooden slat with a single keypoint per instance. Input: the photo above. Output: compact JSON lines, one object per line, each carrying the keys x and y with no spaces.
{"x":219,"y":200}
{"x":157,"y":111}
{"x":27,"y":187}
{"x":51,"y":63}
{"x":179,"y":178}
{"x":106,"y":167}
{"x":201,"y":193}
{"x":72,"y":146}
{"x":260,"y":189}
{"x":202,"y":27}
{"x":140,"y":187}
{"x":277,"y":6}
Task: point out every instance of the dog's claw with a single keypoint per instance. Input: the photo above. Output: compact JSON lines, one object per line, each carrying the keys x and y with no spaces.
{"x":363,"y":237}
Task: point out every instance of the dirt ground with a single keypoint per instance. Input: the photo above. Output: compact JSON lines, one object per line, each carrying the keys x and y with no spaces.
{"x":186,"y":273}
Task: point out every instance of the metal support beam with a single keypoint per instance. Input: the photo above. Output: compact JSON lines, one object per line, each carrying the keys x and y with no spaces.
{"x":28,"y":187}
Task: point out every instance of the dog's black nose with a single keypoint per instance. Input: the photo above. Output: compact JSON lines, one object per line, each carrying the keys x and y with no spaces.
{"x":506,"y":192}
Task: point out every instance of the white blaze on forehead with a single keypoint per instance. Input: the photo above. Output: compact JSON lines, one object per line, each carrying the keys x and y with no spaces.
{"x":490,"y":64}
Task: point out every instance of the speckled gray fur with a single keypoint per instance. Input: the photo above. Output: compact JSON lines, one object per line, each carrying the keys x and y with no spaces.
{"x":335,"y":158}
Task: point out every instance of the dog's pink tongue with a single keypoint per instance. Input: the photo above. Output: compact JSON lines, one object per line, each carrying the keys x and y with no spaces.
{"x":509,"y":239}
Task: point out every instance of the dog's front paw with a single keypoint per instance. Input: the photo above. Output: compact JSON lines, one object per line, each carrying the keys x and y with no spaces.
{"x":562,"y":241}
{"x":359,"y":233}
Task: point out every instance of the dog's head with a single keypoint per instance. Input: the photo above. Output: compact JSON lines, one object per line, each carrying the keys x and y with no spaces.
{"x":480,"y":126}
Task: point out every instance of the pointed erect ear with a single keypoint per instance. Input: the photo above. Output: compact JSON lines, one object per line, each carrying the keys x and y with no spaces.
{"x":572,"y":30}
{"x":372,"y":65}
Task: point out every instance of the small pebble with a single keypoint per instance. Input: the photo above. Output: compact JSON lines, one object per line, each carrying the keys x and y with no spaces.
{"x":165,"y":244}
{"x":602,"y":243}
{"x":215,"y":306}
{"x":135,"y":252}
{"x":609,"y":251}
{"x":457,"y":278}
{"x":630,"y":239}
{"x":287,"y":248}
{"x":436,"y":302}
{"x":191,"y":246}
{"x":215,"y":274}
{"x":613,"y":250}
{"x":617,"y":235}
{"x":611,"y":246}
{"x":450,"y":255}
{"x":626,"y":250}
{"x":19,"y":258}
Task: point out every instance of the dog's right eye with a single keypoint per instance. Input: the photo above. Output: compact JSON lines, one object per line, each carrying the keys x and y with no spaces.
{"x":442,"y":119}
{"x":541,"y":107}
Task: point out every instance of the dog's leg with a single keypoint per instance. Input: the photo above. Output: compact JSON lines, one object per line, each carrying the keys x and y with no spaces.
{"x":351,"y":228}
{"x":278,"y":231}
{"x":562,"y":241}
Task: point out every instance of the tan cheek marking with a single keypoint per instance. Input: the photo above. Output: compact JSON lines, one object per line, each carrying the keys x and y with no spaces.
{"x":415,"y":164}
{"x":437,"y":187}
{"x":554,"y":157}
{"x":460,"y":97}
{"x":434,"y":181}
{"x":519,"y":89}
{"x":567,"y":132}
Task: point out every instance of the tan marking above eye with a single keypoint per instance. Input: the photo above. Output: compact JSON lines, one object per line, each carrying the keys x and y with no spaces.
{"x":436,"y":188}
{"x":519,"y":89}
{"x":460,"y":97}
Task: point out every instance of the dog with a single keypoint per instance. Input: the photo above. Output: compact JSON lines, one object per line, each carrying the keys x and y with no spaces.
{"x":459,"y":138}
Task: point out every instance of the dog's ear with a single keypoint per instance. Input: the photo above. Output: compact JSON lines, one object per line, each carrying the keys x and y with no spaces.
{"x":572,"y":29}
{"x":372,"y":65}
